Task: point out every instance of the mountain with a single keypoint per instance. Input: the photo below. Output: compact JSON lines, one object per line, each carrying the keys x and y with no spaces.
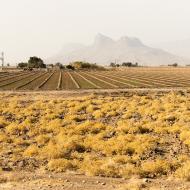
{"x":105,"y":50}
{"x":180,"y":47}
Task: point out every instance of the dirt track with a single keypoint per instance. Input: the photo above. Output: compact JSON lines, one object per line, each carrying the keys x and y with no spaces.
{"x":48,"y":181}
{"x":79,"y":93}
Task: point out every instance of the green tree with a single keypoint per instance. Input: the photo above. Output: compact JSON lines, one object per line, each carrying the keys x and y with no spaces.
{"x":173,"y":65}
{"x":136,"y":64}
{"x":59,"y":65}
{"x":22,"y":65}
{"x":36,"y":62}
{"x":127,"y":64}
{"x":70,"y":67}
{"x":112,"y":64}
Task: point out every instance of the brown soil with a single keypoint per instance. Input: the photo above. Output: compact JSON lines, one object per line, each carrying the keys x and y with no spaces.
{"x":49,"y":181}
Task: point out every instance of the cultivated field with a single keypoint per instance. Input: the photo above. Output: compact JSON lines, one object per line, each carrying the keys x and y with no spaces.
{"x":141,"y":137}
{"x":124,"y":79}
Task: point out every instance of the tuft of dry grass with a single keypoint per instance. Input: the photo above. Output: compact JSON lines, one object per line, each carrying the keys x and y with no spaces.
{"x":31,"y":151}
{"x":60,"y":165}
{"x":155,"y":168}
{"x":184,"y":171}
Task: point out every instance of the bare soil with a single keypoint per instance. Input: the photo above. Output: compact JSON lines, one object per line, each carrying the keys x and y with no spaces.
{"x":85,"y":92}
{"x":48,"y":181}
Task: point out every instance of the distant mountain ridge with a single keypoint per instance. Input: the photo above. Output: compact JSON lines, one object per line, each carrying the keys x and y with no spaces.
{"x":105,"y":50}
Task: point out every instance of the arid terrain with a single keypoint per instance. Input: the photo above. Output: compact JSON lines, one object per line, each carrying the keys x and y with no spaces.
{"x":60,"y":181}
{"x":114,"y":140}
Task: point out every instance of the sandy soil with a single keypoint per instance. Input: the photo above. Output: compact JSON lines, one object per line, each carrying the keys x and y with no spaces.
{"x":79,"y":93}
{"x":48,"y":181}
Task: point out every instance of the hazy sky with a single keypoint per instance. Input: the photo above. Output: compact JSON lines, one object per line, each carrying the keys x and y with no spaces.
{"x":41,"y":27}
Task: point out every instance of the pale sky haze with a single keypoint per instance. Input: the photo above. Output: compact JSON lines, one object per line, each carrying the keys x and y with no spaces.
{"x":42,"y":27}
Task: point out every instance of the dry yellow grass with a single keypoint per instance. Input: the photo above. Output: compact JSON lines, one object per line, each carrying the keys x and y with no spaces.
{"x":145,"y":135}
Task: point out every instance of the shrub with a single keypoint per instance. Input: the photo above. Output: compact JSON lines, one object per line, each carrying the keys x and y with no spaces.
{"x":3,"y":122}
{"x":42,"y":139}
{"x":184,"y":171}
{"x":52,"y":151}
{"x":185,"y":137}
{"x":15,"y":129}
{"x":31,"y":151}
{"x":98,"y":114}
{"x":91,"y":166}
{"x":155,"y":168}
{"x":60,"y":165}
{"x":3,"y":137}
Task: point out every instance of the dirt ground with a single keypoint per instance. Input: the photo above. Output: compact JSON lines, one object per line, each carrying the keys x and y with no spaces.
{"x":49,"y":181}
{"x":85,"y":92}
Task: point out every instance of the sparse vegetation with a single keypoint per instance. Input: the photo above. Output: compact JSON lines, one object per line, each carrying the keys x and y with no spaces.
{"x":145,"y":135}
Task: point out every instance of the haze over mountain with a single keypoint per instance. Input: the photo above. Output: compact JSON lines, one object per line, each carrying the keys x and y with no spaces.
{"x":105,"y":50}
{"x":179,"y":47}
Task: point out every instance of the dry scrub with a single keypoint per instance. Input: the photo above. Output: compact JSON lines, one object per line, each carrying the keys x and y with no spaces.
{"x":135,"y":134}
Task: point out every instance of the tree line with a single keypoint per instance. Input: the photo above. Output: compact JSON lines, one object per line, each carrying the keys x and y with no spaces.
{"x":36,"y":62}
{"x":124,"y":64}
{"x":33,"y":62}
